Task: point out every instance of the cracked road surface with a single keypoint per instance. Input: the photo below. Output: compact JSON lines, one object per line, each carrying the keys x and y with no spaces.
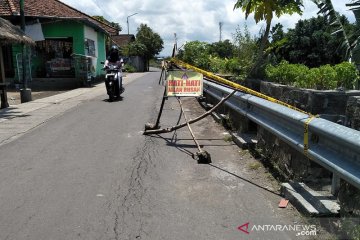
{"x":89,"y":173}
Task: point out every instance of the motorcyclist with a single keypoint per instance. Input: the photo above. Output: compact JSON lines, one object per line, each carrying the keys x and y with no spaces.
{"x":115,"y":59}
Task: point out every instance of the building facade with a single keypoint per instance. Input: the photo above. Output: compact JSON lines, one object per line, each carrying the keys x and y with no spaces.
{"x":69,"y":43}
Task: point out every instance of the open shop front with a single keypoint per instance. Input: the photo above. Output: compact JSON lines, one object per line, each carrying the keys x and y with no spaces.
{"x":53,"y":58}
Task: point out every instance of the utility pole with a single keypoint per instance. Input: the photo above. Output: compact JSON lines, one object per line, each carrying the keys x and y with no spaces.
{"x":25,"y":93}
{"x":175,"y":38}
{"x":175,"y":49}
{"x":220,"y":30}
{"x":127,"y":21}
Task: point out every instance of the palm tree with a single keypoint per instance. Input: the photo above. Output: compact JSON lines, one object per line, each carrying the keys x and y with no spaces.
{"x":265,"y":10}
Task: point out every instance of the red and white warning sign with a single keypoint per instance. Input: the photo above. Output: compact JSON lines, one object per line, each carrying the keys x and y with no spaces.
{"x":184,"y":84}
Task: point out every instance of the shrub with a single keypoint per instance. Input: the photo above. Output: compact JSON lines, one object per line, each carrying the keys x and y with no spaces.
{"x":233,"y":66}
{"x":347,"y":75}
{"x":308,"y":80}
{"x":217,"y":65}
{"x":286,"y":73}
{"x":324,"y":77}
{"x":196,"y":53}
{"x":129,"y":68}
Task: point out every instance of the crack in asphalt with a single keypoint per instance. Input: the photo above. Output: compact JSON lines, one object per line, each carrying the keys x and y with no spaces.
{"x":129,"y":222}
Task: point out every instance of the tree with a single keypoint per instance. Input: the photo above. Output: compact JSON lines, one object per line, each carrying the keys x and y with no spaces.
{"x":134,"y":49}
{"x":310,"y":43}
{"x":197,"y":54}
{"x":222,"y":49}
{"x":265,"y":10}
{"x":349,"y":44}
{"x":277,"y":32}
{"x":245,"y":47}
{"x":151,"y":40}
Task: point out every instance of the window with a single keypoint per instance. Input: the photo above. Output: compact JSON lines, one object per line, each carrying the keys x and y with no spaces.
{"x":89,"y":47}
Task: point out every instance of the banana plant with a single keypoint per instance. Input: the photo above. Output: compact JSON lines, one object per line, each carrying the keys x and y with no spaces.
{"x":327,"y":9}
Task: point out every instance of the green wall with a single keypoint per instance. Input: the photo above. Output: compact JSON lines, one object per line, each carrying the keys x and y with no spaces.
{"x":101,"y":53}
{"x":16,"y":49}
{"x":67,"y":29}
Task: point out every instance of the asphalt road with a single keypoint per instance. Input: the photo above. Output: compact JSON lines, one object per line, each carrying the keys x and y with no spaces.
{"x":89,"y":173}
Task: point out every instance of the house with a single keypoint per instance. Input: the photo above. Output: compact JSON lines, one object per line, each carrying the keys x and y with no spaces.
{"x":122,"y":40}
{"x":9,"y":34}
{"x":137,"y":62}
{"x":66,"y":39}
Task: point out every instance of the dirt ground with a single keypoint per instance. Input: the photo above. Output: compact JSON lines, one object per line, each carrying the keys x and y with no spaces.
{"x":13,"y":95}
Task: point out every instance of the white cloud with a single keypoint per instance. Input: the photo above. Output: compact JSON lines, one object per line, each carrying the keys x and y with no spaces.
{"x":190,"y":20}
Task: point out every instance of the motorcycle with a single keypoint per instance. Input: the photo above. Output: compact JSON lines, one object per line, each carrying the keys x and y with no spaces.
{"x":113,"y":81}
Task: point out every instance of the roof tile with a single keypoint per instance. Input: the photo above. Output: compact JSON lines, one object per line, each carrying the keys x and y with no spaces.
{"x":49,"y":8}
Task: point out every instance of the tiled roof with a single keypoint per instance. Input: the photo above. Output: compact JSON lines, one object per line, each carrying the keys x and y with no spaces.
{"x":49,"y":9}
{"x":123,"y":39}
{"x":5,"y":8}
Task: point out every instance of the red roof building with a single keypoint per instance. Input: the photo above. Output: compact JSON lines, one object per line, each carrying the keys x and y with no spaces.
{"x":49,"y":9}
{"x":63,"y":35}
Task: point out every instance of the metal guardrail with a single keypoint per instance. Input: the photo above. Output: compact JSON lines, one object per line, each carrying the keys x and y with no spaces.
{"x":333,"y":146}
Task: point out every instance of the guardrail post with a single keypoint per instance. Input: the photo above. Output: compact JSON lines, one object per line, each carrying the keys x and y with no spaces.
{"x":335,"y":185}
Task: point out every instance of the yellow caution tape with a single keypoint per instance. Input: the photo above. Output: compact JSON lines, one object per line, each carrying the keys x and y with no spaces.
{"x":236,"y":86}
{"x":252,"y":92}
{"x":306,"y":134}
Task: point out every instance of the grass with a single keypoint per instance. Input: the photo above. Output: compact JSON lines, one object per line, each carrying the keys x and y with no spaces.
{"x":254,"y":165}
{"x":228,"y":138}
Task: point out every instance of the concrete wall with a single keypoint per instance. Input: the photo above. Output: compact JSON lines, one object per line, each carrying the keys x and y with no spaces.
{"x":72,"y":29}
{"x":101,"y":53}
{"x":353,"y":112}
{"x":331,"y":105}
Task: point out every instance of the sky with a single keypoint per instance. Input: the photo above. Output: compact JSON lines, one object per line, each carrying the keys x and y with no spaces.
{"x":191,"y":20}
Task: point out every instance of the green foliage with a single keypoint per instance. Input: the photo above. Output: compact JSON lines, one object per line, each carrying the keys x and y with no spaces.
{"x":265,"y":9}
{"x":324,"y":77}
{"x":286,"y":73}
{"x":347,"y":75}
{"x":197,"y":54}
{"x":244,"y":53}
{"x":223,"y":57}
{"x":134,"y":49}
{"x":129,"y":68}
{"x":327,"y":9}
{"x":350,"y":36}
{"x":151,"y":40}
{"x":310,"y":43}
{"x":233,"y":65}
{"x":217,"y":65}
{"x":351,"y":229}
{"x":223,"y":49}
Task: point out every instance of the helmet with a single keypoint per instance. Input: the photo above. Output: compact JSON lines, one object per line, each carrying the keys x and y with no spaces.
{"x":114,"y":48}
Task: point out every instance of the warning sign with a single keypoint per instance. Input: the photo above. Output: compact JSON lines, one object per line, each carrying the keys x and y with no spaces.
{"x":184,"y":84}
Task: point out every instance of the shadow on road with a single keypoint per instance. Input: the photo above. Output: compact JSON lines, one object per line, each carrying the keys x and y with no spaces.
{"x":120,"y":99}
{"x":181,"y":147}
{"x":244,"y":179}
